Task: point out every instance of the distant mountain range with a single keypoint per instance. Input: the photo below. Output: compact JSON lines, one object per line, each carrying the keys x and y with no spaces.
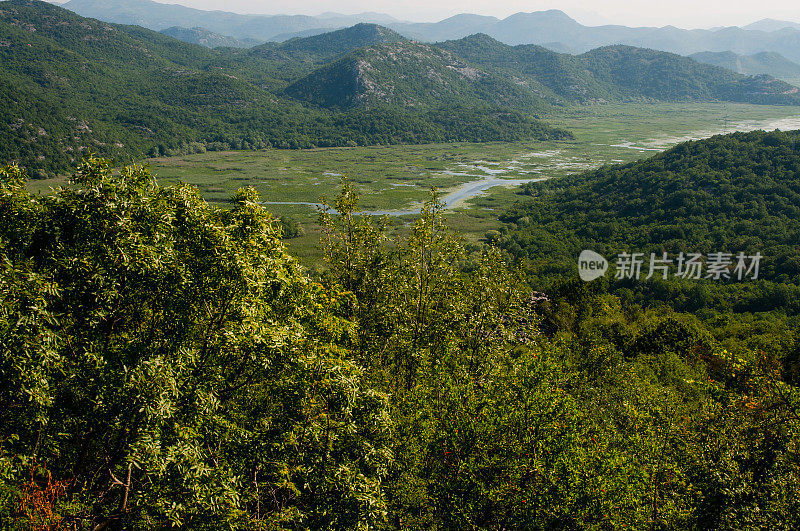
{"x":158,"y":16}
{"x":70,"y":84}
{"x":556,"y":29}
{"x":368,"y":65}
{"x":552,"y":28}
{"x":620,"y":73}
{"x":770,"y":63}
{"x":770,"y":24}
{"x":208,"y":38}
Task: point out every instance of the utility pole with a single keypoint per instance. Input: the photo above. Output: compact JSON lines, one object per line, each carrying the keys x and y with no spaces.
{"x":725,"y":119}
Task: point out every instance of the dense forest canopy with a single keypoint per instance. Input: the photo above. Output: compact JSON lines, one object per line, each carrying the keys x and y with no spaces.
{"x":732,"y":193}
{"x":166,"y":363}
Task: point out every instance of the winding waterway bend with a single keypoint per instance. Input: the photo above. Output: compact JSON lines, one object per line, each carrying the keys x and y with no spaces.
{"x":451,"y":200}
{"x":552,"y":162}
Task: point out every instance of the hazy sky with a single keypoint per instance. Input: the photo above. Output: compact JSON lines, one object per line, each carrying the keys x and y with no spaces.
{"x":682,"y":13}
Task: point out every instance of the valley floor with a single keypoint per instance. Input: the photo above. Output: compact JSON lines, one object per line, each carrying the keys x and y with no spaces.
{"x":398,"y":178}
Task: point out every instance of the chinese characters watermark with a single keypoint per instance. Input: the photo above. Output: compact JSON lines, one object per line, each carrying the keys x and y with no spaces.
{"x":714,"y":266}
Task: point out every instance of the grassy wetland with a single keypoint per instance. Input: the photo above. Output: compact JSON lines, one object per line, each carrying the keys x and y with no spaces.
{"x":397,"y":178}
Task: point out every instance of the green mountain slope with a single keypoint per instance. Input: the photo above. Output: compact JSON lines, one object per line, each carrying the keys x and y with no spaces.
{"x":276,"y":65}
{"x":333,"y":44}
{"x":770,"y":63}
{"x":562,"y":74}
{"x":69,"y":85}
{"x":641,"y":72}
{"x":207,"y":38}
{"x":125,"y":90}
{"x":732,"y":193}
{"x":622,"y":73}
{"x":409,"y":74}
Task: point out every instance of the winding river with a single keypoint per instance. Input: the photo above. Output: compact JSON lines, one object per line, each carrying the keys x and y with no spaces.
{"x":458,"y":196}
{"x":451,"y":200}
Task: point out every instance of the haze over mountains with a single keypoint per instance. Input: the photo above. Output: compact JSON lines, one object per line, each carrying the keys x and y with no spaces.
{"x":770,"y":63}
{"x":552,"y":28}
{"x":207,"y":38}
{"x":770,"y":24}
{"x":556,"y":28}
{"x":158,"y":16}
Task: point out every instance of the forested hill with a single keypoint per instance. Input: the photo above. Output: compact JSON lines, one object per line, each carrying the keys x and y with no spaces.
{"x":770,"y":63}
{"x":731,"y":193}
{"x":410,"y":74}
{"x":70,"y":84}
{"x":640,"y":72}
{"x":207,"y":38}
{"x":166,"y":364}
{"x":332,"y":44}
{"x":481,"y":69}
{"x":276,"y":65}
{"x":622,"y":73}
